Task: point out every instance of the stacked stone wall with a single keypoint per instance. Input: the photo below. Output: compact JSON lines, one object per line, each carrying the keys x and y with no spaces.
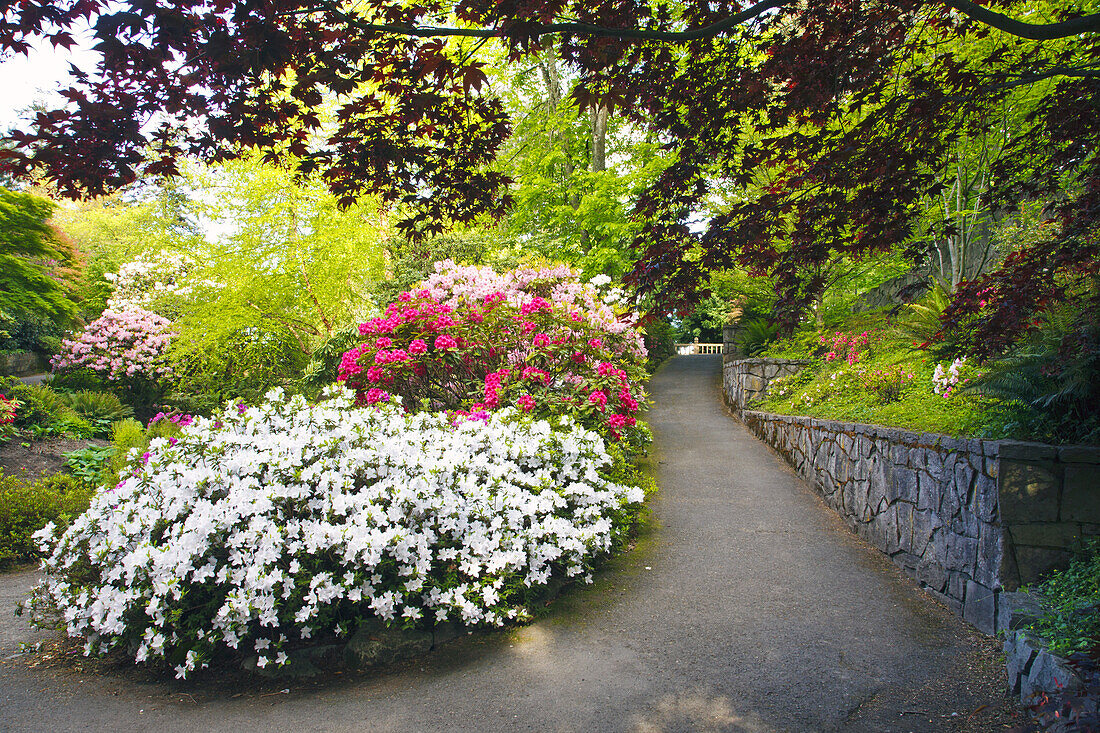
{"x":746,"y":380}
{"x":21,"y":364}
{"x":967,"y":519}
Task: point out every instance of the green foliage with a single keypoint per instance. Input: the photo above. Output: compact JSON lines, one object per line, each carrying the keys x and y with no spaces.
{"x":410,"y":262}
{"x":878,"y":389}
{"x":30,"y":251}
{"x":223,"y":363}
{"x":77,"y":380}
{"x":41,"y":405}
{"x":324,"y":362}
{"x":7,"y":325}
{"x":1053,"y":387}
{"x":46,"y":412}
{"x":26,"y":508}
{"x":99,"y":408}
{"x":34,"y":332}
{"x":126,"y":436}
{"x":755,"y":335}
{"x":89,"y":464}
{"x":1071,"y":601}
{"x":920,"y":321}
{"x":660,"y":342}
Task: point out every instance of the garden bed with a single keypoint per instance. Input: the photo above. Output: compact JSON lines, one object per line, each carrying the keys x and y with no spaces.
{"x":34,"y":459}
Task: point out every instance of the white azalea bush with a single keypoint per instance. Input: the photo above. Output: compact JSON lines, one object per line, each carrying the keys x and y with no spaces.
{"x":273,"y":524}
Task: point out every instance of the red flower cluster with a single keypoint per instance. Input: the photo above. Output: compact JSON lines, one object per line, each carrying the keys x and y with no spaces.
{"x":474,"y":357}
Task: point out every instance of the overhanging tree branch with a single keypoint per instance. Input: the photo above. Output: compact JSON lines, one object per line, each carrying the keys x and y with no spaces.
{"x":1031,"y":31}
{"x":1000,"y":21}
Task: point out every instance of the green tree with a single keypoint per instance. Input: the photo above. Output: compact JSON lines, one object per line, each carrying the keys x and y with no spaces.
{"x":34,"y":257}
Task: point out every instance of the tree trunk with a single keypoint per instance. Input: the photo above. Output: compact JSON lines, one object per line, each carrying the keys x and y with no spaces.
{"x":598,"y":116}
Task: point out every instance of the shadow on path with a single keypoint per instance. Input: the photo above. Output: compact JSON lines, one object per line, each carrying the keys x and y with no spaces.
{"x":747,"y":606}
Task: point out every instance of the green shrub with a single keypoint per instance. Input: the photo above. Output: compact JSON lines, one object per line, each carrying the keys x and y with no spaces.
{"x":125,"y":435}
{"x":324,"y":362}
{"x":26,"y":508}
{"x":99,"y":408}
{"x":212,"y":369}
{"x":77,"y":379}
{"x":41,"y":406}
{"x":660,"y":342}
{"x":1071,"y":599}
{"x":756,"y":334}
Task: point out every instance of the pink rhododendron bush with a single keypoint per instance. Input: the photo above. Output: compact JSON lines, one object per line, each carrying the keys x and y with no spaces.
{"x":283,"y":522}
{"x":472,"y":341}
{"x":120,"y":346}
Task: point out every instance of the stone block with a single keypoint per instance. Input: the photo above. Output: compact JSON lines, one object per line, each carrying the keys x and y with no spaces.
{"x":962,"y":554}
{"x":951,"y":503}
{"x":1081,"y":493}
{"x":1049,"y":674}
{"x":1009,"y":572}
{"x":902,"y":536}
{"x":1020,"y":652}
{"x":933,"y":463}
{"x":1080,"y":454}
{"x":956,"y":585}
{"x":953,"y":604}
{"x":903,"y":487}
{"x":373,"y":646}
{"x":1033,"y":563}
{"x":930,"y":498}
{"x":990,"y":554}
{"x":1028,"y":492}
{"x":1022,"y":451}
{"x":980,"y":607}
{"x":932,"y":575}
{"x":1058,"y":535}
{"x":985,"y":498}
{"x":924,"y":524}
{"x":1017,"y":609}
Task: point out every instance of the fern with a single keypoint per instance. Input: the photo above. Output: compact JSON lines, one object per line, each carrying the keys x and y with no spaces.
{"x":756,"y":335}
{"x":98,"y":406}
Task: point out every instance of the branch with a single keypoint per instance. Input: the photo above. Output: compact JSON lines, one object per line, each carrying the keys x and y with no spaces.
{"x":1032,"y":31}
{"x":578,"y":29}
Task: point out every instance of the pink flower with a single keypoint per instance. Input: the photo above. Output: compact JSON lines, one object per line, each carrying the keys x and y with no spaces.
{"x":541,"y":340}
{"x":595,"y":343}
{"x":526,"y":402}
{"x":376,"y":395}
{"x":417,"y":347}
{"x":445,"y":341}
{"x":598,"y":398}
{"x":383,"y":342}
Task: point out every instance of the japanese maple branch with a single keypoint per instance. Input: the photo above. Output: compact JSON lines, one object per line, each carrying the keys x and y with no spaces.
{"x":1000,"y":21}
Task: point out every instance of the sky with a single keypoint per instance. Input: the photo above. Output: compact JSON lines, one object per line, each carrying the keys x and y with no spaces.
{"x":24,"y":79}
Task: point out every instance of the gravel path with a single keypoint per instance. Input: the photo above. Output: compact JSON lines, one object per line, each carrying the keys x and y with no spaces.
{"x":747,"y":606}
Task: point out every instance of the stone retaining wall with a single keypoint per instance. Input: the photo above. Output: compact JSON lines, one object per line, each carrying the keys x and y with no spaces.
{"x":21,"y":364}
{"x":965,"y":518}
{"x":747,"y":380}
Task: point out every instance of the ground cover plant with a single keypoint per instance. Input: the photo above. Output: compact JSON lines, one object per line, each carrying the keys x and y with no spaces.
{"x":864,"y":370}
{"x":1071,"y":603}
{"x":278,"y":523}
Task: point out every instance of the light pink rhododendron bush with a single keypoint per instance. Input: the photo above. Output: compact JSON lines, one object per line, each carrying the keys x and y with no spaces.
{"x":472,"y":341}
{"x":120,"y":346}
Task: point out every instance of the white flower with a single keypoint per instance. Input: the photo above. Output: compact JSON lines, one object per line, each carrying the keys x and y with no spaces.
{"x":399,"y":516}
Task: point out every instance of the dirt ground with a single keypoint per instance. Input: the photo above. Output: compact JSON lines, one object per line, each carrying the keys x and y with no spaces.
{"x":31,"y":460}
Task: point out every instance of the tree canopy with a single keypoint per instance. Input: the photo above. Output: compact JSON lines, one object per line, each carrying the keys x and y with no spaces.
{"x":823,"y":127}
